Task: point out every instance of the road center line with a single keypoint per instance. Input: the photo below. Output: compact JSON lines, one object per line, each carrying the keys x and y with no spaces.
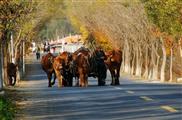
{"x":131,"y":92}
{"x":168,"y":108}
{"x":146,"y":98}
{"x":118,"y":88}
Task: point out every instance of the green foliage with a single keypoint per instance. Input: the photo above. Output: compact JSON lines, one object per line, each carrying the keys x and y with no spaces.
{"x":56,"y":27}
{"x":7,"y":109}
{"x":165,"y":14}
{"x":35,"y":19}
{"x":52,"y":21}
{"x":15,"y":16}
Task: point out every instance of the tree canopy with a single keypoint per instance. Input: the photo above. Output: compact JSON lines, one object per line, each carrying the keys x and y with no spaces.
{"x":166,"y":14}
{"x":131,"y":25}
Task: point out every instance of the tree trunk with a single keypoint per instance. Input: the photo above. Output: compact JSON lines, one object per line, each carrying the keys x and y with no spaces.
{"x":17,"y":62}
{"x":12,"y":52}
{"x":127,"y":61}
{"x":151,"y":64}
{"x":5,"y":63}
{"x":138,"y":62}
{"x":1,"y":76}
{"x":162,"y":75}
{"x":23,"y":57}
{"x":155,"y":62}
{"x":146,"y":72}
{"x":155,"y":70}
{"x":133,"y":63}
{"x":150,"y":73}
{"x":171,"y":66}
{"x":180,"y":50}
{"x":123,"y":61}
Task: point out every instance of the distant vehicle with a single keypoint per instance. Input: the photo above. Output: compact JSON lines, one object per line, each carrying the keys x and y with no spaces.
{"x":71,"y":47}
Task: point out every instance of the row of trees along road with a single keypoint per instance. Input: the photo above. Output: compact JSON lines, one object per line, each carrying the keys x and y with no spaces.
{"x":21,"y":22}
{"x":14,"y":26}
{"x":147,"y":31}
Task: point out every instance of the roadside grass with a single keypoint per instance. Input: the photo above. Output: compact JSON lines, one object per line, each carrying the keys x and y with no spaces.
{"x":7,"y":108}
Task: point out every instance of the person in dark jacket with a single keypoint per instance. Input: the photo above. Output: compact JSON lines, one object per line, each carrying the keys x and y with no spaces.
{"x":38,"y":53}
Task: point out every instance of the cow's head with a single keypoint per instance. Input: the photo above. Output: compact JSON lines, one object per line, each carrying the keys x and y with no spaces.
{"x":99,"y":54}
{"x":59,"y":64}
{"x":67,"y":57}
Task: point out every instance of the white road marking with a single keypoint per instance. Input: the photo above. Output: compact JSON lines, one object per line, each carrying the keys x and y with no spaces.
{"x":168,"y":108}
{"x":131,"y":92}
{"x":118,"y":88}
{"x":146,"y":98}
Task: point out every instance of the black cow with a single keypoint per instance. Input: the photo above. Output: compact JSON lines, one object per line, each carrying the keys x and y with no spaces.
{"x":97,"y":66}
{"x":11,"y":72}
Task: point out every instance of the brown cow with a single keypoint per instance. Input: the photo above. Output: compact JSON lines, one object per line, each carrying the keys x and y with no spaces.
{"x":11,"y":72}
{"x":47,"y":65}
{"x":62,"y":69}
{"x":113,"y":62}
{"x":82,"y":69}
{"x":84,"y":51}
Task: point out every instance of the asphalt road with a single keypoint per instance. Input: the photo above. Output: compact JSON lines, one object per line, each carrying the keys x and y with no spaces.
{"x":132,"y":100}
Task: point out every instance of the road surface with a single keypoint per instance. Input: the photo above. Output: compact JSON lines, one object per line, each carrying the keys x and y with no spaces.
{"x":132,"y":100}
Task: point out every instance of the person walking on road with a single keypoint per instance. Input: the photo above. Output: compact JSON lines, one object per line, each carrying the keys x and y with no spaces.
{"x":38,"y":53}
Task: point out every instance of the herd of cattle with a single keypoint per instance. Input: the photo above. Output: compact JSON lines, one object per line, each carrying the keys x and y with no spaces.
{"x":80,"y":65}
